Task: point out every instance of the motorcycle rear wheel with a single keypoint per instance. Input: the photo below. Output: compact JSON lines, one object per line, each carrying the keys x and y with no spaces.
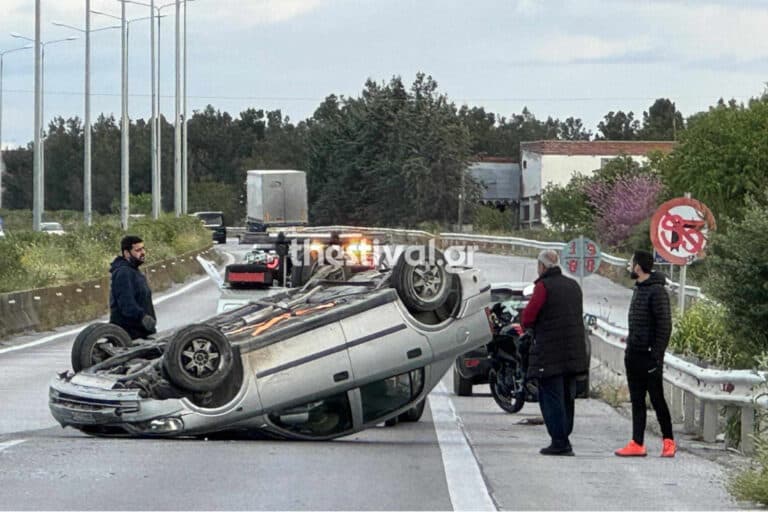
{"x":510,"y":402}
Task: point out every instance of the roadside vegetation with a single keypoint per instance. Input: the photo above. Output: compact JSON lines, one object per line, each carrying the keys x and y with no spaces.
{"x":31,"y":260}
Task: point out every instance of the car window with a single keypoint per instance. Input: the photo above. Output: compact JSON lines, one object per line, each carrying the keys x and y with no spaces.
{"x":211,"y":219}
{"x":319,"y":418}
{"x":384,"y":396}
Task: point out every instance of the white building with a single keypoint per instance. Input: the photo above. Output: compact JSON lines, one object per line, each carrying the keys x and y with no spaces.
{"x":555,"y":161}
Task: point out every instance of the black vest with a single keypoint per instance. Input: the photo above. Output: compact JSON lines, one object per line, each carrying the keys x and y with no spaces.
{"x":560,"y":345}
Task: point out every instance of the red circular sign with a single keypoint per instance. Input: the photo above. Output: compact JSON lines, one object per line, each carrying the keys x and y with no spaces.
{"x":679,"y":230}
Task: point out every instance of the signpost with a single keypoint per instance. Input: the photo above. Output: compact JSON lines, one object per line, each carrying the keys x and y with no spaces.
{"x":581,"y":257}
{"x":679,"y":231}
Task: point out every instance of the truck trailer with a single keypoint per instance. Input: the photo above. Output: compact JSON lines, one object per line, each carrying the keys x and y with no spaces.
{"x":275,"y":199}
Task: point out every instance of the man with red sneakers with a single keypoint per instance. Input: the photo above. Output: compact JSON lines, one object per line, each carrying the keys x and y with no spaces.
{"x":650,"y":325}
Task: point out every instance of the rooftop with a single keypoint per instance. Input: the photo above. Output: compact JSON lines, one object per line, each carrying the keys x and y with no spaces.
{"x":597,"y":147}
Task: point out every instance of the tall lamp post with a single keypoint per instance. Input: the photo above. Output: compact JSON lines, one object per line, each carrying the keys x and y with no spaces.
{"x":87,"y":187}
{"x":36,"y":219}
{"x":2,"y":164}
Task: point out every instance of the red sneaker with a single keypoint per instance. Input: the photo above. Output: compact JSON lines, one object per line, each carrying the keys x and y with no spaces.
{"x":669,"y":449}
{"x":632,"y":450}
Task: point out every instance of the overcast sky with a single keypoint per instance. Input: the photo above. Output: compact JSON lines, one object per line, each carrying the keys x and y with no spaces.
{"x":559,"y":58}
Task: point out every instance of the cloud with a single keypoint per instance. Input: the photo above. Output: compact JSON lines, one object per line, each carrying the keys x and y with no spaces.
{"x":254,"y":12}
{"x":580,"y":48}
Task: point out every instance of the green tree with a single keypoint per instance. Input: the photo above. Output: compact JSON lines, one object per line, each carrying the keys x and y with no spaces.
{"x":722,"y":157}
{"x":662,"y":121}
{"x":618,"y":126}
{"x":573,"y":129}
{"x":738,"y":273}
{"x":567,"y":206}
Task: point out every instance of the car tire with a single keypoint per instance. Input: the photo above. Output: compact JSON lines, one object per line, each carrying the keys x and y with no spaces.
{"x":509,"y":403}
{"x":87,"y":349}
{"x":461,"y":386}
{"x":424,"y":286}
{"x":413,"y":414}
{"x":198,"y":358}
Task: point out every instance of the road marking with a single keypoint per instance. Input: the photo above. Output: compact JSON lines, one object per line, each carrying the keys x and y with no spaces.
{"x":8,"y":444}
{"x":466,"y":485}
{"x":159,"y":300}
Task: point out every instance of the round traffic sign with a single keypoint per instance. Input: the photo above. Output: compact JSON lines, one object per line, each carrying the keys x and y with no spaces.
{"x":679,"y":230}
{"x":581,"y":256}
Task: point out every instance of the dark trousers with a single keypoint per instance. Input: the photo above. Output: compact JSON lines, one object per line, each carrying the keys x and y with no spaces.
{"x":644,"y":376}
{"x":557,"y":400}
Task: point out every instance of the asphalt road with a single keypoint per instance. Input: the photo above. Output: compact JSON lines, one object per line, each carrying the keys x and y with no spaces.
{"x":465,"y":453}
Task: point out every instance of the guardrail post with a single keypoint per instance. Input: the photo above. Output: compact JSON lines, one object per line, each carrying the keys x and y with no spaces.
{"x":689,"y":413}
{"x":747,"y":430}
{"x":709,"y":422}
{"x":676,"y":404}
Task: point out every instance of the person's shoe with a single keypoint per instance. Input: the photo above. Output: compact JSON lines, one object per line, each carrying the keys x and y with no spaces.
{"x":669,"y":449}
{"x":632,"y":450}
{"x":554,"y":450}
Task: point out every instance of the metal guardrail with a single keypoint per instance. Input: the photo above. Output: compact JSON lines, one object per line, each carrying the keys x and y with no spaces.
{"x":689,"y":385}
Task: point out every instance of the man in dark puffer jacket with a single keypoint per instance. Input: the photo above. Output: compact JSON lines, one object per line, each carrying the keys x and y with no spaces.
{"x":650,"y":325}
{"x":559,"y":351}
{"x":130,"y":299}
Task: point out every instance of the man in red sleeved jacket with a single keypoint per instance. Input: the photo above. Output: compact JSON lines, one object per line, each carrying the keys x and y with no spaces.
{"x":558,"y":354}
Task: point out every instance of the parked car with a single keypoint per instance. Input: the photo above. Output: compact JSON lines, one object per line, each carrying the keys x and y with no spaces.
{"x":215,"y":222}
{"x":326,"y":360}
{"x":52,"y":228}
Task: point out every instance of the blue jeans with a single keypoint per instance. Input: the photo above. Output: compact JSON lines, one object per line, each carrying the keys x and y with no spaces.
{"x":557,"y":399}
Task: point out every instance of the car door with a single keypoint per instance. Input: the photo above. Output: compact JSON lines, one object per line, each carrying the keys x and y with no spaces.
{"x":381,"y":344}
{"x":304,"y":367}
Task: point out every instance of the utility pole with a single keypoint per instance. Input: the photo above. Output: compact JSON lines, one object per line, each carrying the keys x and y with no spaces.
{"x":156,"y":203}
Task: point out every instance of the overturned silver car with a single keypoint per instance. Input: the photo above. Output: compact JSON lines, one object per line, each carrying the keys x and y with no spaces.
{"x":326,"y":360}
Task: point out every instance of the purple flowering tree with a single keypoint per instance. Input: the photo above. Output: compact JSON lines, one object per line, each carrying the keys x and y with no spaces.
{"x":622,"y":204}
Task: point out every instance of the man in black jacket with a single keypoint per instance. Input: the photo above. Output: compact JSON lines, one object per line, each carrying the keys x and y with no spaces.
{"x":559,"y":352}
{"x":650,"y":325}
{"x":130,"y":299}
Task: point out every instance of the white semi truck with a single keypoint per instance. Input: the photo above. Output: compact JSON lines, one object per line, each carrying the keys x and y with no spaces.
{"x":275,"y":199}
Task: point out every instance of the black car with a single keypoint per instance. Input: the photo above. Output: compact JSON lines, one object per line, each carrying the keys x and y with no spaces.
{"x":215,"y":222}
{"x":472,"y":367}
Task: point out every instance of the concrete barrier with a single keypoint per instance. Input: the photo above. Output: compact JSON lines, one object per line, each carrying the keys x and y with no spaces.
{"x":45,"y":308}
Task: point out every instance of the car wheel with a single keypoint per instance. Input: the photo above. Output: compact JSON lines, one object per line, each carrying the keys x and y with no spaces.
{"x":505,"y":398}
{"x":198,"y":358}
{"x":414,"y":413}
{"x":461,"y":386}
{"x":422,"y":285}
{"x":96,"y":343}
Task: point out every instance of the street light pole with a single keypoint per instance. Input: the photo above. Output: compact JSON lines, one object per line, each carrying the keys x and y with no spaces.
{"x":184,"y":124}
{"x":37,"y":213}
{"x":177,"y":131}
{"x":38,"y":173}
{"x":156,"y":197}
{"x":87,"y":187}
{"x":124,"y":127}
{"x":2,"y":162}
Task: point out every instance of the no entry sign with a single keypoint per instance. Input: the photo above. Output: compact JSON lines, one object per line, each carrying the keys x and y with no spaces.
{"x":581,"y":256}
{"x":679,"y":230}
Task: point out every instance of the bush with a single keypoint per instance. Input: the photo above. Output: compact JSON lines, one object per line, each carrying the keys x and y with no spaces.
{"x":702,"y":333}
{"x":35,"y":260}
{"x":487,"y":219}
{"x":752,"y":484}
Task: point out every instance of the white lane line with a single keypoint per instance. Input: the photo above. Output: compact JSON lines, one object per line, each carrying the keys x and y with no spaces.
{"x":466,"y":486}
{"x":160,"y":300}
{"x":8,"y":444}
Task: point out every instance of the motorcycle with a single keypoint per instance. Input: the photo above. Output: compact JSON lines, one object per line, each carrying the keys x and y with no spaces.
{"x":508,"y":353}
